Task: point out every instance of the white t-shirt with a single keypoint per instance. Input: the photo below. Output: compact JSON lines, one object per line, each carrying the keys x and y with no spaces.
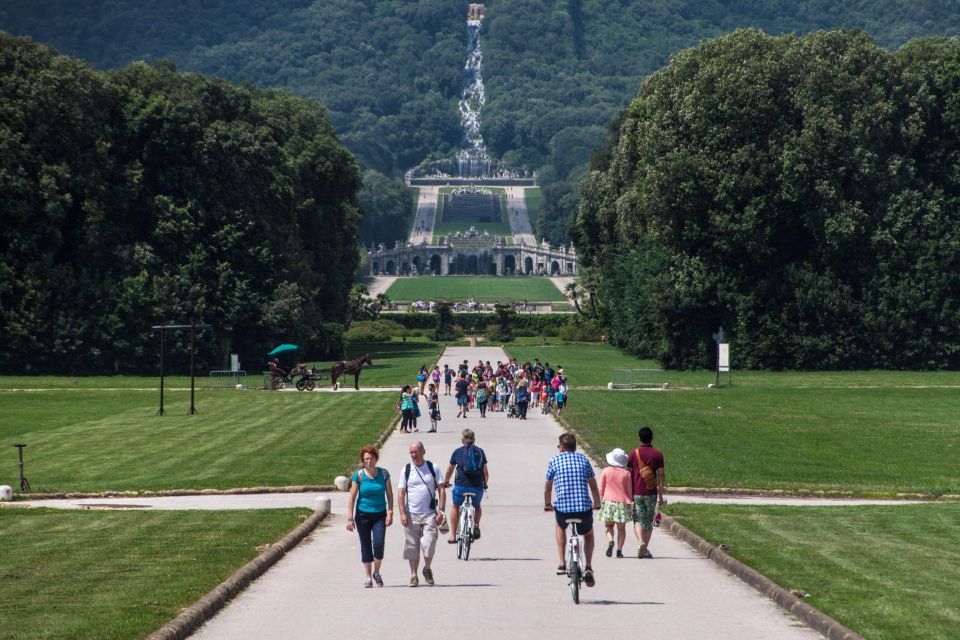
{"x":418,"y":493}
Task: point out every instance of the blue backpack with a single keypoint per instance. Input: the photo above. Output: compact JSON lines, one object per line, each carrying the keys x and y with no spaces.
{"x":472,"y":459}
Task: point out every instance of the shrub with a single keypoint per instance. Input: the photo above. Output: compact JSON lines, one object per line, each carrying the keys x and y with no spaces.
{"x":374,"y":331}
{"x":581,"y":332}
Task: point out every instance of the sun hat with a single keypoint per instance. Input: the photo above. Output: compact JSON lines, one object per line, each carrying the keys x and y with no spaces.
{"x":617,"y":458}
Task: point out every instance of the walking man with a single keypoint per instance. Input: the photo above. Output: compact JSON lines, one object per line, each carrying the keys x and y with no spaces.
{"x":462,"y":387}
{"x":470,"y":463}
{"x":646,"y":470}
{"x":572,"y":476}
{"x":422,"y":498}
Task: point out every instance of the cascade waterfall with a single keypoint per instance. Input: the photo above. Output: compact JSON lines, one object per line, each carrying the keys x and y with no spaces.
{"x":472,"y":160}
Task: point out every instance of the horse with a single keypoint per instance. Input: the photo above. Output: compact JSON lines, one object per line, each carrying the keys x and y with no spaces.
{"x":349,"y":366}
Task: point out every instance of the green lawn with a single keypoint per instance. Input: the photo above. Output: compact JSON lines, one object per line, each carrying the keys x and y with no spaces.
{"x":534,"y":200}
{"x":74,"y":575}
{"x":112,"y":440}
{"x":888,"y":573}
{"x":480,"y":288}
{"x":863,"y":440}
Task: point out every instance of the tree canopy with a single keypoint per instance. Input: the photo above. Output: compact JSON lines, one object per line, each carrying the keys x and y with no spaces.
{"x":143,"y":196}
{"x":800,"y":191}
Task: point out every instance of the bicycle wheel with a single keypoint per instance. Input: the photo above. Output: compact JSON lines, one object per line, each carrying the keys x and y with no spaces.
{"x":575,"y":578}
{"x":467,"y":533}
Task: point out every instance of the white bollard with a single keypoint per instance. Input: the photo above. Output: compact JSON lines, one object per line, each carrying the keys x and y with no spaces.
{"x":609,"y":385}
{"x":6,"y":493}
{"x":322,"y":505}
{"x":342,"y":483}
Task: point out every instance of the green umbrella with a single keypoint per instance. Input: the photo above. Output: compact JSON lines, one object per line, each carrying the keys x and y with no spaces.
{"x":284,"y":348}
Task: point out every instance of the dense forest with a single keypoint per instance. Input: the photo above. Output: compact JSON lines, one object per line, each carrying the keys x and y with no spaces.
{"x":802,"y":192}
{"x":144,"y":196}
{"x":390,"y":71}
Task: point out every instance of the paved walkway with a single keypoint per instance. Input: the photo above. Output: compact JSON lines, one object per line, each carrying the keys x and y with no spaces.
{"x":519,"y":218}
{"x":426,"y":215}
{"x":509,"y":582}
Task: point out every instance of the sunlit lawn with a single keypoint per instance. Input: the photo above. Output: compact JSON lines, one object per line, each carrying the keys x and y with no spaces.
{"x":887,"y":572}
{"x":112,"y":440}
{"x":479,"y":288}
{"x":73,"y":575}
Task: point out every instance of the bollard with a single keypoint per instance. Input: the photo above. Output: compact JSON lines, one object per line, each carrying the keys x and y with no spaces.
{"x":6,"y":493}
{"x":322,"y":505}
{"x":342,"y":483}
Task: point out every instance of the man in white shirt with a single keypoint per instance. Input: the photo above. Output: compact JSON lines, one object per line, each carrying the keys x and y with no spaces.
{"x":422,"y":499}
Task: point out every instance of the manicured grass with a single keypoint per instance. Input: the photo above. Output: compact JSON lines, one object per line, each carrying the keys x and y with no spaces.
{"x":590,"y":365}
{"x":534,"y":200}
{"x":100,"y":382}
{"x":116,"y":575}
{"x":480,"y":288}
{"x":112,"y":440}
{"x":888,"y":573}
{"x":863,"y":440}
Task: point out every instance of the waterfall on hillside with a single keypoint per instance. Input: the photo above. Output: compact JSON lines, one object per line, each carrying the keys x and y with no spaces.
{"x":472,"y":160}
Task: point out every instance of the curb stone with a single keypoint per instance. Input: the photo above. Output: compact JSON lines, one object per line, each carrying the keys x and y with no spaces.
{"x":206,"y":607}
{"x":813,"y":618}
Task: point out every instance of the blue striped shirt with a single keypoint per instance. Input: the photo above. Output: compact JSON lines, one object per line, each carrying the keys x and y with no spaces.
{"x":570,"y":472}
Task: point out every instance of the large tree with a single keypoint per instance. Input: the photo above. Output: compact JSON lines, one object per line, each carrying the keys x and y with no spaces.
{"x":781,"y":187}
{"x":143,"y":196}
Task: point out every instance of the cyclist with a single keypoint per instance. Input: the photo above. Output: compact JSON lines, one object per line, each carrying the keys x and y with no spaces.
{"x":571,"y":474}
{"x":470,"y":463}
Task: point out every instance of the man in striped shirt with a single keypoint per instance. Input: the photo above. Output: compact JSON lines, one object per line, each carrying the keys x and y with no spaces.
{"x":571,"y":475}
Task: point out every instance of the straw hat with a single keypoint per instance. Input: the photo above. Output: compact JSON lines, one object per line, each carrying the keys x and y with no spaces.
{"x":617,"y":458}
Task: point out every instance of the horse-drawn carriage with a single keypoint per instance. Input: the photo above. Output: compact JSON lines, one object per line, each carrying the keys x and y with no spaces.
{"x":308,"y":377}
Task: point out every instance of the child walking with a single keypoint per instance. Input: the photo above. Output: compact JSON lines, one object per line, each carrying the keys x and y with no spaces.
{"x":616,"y":499}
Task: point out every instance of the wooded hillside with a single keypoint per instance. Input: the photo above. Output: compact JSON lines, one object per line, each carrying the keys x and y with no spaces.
{"x":390,"y":71}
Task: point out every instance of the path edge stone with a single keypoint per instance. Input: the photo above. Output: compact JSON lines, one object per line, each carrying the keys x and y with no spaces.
{"x":193,"y":616}
{"x":812,"y":617}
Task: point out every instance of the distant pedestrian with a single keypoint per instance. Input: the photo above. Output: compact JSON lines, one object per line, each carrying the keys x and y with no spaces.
{"x":481,"y":398}
{"x":463,"y":395}
{"x":523,"y":398}
{"x":406,"y":409}
{"x":371,"y":512}
{"x":436,"y":375}
{"x":422,"y":376}
{"x":616,"y":499}
{"x":433,"y":406}
{"x":646,"y":470}
{"x":447,"y":379}
{"x":422,"y":497}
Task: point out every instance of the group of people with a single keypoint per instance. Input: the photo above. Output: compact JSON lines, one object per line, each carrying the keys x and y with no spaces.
{"x":631,"y":488}
{"x":506,"y":387}
{"x":421,"y":498}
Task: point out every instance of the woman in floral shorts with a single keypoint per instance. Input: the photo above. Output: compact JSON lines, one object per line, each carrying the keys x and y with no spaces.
{"x":616,"y":501}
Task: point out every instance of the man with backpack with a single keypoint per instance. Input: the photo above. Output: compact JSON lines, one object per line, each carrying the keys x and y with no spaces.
{"x":646,"y":470}
{"x":470,"y":463}
{"x":421,"y":497}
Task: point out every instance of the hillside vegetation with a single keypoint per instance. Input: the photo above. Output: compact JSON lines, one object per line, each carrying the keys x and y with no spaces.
{"x":390,"y":71}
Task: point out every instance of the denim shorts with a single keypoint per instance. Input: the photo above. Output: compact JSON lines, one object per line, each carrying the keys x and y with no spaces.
{"x":458,"y":492}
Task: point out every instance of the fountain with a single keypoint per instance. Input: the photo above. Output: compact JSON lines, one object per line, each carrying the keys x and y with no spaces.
{"x":473,"y":161}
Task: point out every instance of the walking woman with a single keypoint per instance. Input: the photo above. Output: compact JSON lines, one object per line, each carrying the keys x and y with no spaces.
{"x":406,"y":409}
{"x":616,"y":499}
{"x":371,"y":512}
{"x":482,"y":394}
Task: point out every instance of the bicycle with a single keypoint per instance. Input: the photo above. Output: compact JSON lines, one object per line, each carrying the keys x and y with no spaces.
{"x":465,"y":527}
{"x":575,"y":561}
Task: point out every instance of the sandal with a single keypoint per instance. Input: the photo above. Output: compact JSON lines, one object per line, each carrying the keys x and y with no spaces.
{"x":588,"y":578}
{"x":562,"y":570}
{"x":609,"y":549}
{"x":378,"y":579}
{"x":476,"y":533}
{"x":452,"y":541}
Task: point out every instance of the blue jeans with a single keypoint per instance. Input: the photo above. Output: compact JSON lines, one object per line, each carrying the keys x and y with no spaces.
{"x":372,"y":529}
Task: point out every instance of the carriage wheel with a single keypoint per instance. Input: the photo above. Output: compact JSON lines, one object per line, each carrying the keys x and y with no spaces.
{"x":310,"y":384}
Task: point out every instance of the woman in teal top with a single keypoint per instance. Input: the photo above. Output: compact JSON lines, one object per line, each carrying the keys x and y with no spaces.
{"x":371,"y":512}
{"x":408,"y":422}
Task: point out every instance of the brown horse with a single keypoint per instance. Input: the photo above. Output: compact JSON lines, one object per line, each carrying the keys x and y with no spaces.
{"x":350,"y":366}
